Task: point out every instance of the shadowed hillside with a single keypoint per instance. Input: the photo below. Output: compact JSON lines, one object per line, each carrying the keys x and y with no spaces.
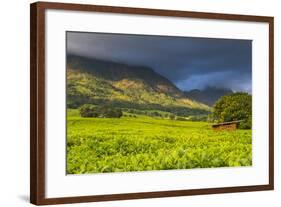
{"x":208,"y":96}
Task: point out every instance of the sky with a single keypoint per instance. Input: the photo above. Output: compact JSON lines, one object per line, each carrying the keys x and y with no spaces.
{"x":189,"y":62}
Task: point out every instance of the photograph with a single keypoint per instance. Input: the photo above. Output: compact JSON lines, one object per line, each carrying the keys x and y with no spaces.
{"x":138,"y":102}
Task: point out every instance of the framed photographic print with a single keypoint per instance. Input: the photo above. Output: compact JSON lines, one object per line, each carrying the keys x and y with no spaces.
{"x":130,"y":103}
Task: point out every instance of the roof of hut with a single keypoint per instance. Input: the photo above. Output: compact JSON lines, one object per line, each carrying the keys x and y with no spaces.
{"x":226,"y":123}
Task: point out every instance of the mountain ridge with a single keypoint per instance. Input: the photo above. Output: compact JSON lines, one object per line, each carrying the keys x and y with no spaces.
{"x":208,"y":95}
{"x":118,"y":71}
{"x":90,"y":80}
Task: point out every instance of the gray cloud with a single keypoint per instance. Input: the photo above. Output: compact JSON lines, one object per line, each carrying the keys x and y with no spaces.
{"x":188,"y":62}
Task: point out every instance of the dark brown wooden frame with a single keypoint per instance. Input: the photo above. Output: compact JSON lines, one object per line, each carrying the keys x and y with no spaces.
{"x":37,"y":102}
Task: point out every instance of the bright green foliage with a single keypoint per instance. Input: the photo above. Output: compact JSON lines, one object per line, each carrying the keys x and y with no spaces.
{"x":234,"y":107}
{"x":139,"y":143}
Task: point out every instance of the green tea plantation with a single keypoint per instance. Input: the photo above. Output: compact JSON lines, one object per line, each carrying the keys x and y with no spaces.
{"x":143,"y":143}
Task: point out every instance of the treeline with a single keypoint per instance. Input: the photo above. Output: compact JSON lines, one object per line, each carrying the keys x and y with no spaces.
{"x":145,"y":112}
{"x":89,"y":110}
{"x":75,"y":102}
{"x":166,"y":115}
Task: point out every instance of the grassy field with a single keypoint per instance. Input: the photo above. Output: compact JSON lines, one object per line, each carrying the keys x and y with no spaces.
{"x":96,"y":145}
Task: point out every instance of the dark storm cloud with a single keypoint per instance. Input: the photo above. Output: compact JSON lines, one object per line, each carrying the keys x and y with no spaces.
{"x":188,"y":62}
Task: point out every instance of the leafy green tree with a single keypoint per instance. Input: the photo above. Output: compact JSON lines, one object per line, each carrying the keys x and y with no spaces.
{"x":234,"y":107}
{"x":112,"y":113}
{"x":118,"y":113}
{"x":172,"y":116}
{"x":88,"y":110}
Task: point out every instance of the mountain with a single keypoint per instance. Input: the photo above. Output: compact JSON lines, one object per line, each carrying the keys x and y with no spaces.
{"x":208,"y":96}
{"x":95,"y":81}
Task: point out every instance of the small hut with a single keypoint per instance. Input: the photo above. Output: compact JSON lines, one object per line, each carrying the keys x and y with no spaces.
{"x":231,"y":125}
